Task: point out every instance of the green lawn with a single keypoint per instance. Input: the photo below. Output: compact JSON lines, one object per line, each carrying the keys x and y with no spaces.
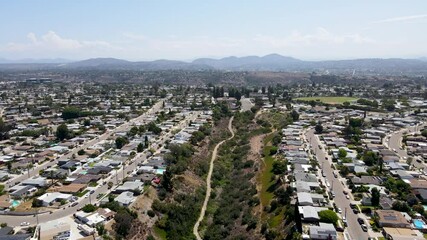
{"x":81,"y":194}
{"x":266,"y":174}
{"x":330,"y":100}
{"x":160,"y":233}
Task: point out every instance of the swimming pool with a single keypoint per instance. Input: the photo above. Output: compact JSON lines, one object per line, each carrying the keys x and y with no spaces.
{"x":15,"y":203}
{"x":419,"y":224}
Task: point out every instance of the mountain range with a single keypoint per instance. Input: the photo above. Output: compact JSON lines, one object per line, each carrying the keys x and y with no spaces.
{"x":272,"y":62}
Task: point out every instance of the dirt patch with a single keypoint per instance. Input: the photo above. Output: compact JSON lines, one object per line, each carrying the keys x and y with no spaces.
{"x":256,"y":144}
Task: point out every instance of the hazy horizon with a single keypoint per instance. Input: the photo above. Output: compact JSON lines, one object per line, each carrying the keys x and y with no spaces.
{"x":187,"y":30}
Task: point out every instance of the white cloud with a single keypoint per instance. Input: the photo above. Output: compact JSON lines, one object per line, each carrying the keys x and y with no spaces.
{"x":51,"y":42}
{"x":320,"y":36}
{"x":402,"y":19}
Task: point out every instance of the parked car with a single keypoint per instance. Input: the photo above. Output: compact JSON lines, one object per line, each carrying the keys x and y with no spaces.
{"x":25,"y":224}
{"x":364,"y":227}
{"x":339,"y":210}
{"x":360,"y":221}
{"x":74,"y":204}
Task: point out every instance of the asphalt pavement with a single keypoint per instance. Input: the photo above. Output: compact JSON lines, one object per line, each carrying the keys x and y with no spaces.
{"x":337,"y":187}
{"x":394,"y":142}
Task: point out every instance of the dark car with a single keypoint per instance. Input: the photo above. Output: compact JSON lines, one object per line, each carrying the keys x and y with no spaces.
{"x":356,"y":211}
{"x":360,"y":221}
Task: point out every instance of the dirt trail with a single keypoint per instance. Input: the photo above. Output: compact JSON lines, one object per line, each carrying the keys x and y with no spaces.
{"x":257,"y":144}
{"x":208,"y":182}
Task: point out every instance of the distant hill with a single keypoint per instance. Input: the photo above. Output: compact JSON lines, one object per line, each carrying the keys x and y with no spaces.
{"x":117,"y":64}
{"x":251,"y":63}
{"x":272,"y":62}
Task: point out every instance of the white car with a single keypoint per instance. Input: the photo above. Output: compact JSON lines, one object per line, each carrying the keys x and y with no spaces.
{"x":339,"y":210}
{"x":25,"y":224}
{"x":347,"y":196}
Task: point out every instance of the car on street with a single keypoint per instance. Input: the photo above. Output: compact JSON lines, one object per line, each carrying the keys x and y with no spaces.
{"x":25,"y":224}
{"x":364,"y":227}
{"x":74,"y":204}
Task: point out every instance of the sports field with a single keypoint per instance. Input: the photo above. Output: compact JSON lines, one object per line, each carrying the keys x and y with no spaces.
{"x":330,"y":100}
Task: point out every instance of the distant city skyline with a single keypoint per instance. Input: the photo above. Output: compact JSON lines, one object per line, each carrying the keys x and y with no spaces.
{"x":186,"y":30}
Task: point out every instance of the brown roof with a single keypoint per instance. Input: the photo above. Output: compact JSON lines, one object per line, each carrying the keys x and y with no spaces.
{"x":402,"y":233}
{"x":418,"y":184}
{"x":43,"y":121}
{"x":391,"y":217}
{"x":72,"y":188}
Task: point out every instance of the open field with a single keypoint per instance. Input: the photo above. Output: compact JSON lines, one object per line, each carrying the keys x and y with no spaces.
{"x":330,"y":100}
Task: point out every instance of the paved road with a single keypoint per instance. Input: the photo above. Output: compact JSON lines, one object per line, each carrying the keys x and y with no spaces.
{"x":340,"y":199}
{"x":125,"y":126}
{"x":115,"y":177}
{"x":394,"y":142}
{"x":208,"y":182}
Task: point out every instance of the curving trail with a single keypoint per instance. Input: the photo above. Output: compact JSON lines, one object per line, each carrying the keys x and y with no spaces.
{"x":208,"y":182}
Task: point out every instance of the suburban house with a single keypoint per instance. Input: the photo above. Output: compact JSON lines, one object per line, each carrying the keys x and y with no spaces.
{"x":391,"y":218}
{"x":323,"y":231}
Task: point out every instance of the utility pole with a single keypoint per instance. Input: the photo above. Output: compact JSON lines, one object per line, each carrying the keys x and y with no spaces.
{"x":345,"y":213}
{"x":123,"y":172}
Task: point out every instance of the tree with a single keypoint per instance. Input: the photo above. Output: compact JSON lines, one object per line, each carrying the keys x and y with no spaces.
{"x":418,"y":208}
{"x":279,"y":167}
{"x":318,"y":128}
{"x":296,"y":236}
{"x":140,"y":147}
{"x":81,"y":152}
{"x":89,"y":208}
{"x":133,"y":131}
{"x":100,"y":228}
{"x":123,"y":223}
{"x":344,"y":170}
{"x":152,"y":127}
{"x":401,"y":206}
{"x":328,"y":216}
{"x":375,"y":199}
{"x":86,"y":122}
{"x":370,"y":158}
{"x":342,"y":153}
{"x":37,"y":203}
{"x":167,"y":180}
{"x":62,"y":132}
{"x":120,"y":142}
{"x":70,"y":112}
{"x":294,"y":115}
{"x":4,"y":130}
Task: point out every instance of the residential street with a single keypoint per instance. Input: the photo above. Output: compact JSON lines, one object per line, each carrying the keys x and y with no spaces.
{"x":341,"y":201}
{"x":120,"y":173}
{"x":124,"y":127}
{"x":394,"y":143}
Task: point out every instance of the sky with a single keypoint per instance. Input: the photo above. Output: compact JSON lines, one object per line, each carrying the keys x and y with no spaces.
{"x":189,"y":29}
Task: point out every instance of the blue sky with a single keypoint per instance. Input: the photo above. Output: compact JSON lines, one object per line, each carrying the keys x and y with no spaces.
{"x":185,"y":30}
